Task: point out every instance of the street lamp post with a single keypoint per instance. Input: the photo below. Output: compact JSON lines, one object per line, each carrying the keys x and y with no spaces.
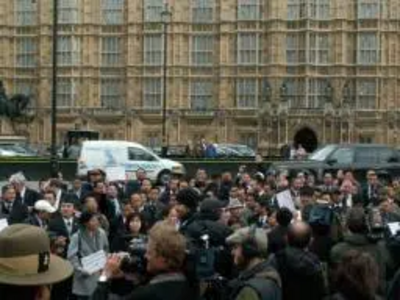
{"x":328,"y":112}
{"x":165,"y":18}
{"x":54,"y":156}
{"x":283,"y":110}
{"x":266,"y":110}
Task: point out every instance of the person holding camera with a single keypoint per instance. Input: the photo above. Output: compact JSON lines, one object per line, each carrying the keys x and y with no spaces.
{"x":165,"y":255}
{"x":360,"y":238}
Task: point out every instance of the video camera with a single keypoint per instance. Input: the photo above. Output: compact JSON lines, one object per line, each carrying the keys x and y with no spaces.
{"x":134,"y":262}
{"x":375,"y":224}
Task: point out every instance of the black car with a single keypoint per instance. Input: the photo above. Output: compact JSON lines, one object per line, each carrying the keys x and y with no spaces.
{"x":358,"y":158}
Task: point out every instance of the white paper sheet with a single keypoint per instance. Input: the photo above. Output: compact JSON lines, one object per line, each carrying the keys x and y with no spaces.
{"x":285,"y":200}
{"x":94,"y":262}
{"x":394,"y":227}
{"x":3,"y":224}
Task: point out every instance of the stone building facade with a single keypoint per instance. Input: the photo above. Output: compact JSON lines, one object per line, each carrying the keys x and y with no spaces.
{"x":259,"y":72}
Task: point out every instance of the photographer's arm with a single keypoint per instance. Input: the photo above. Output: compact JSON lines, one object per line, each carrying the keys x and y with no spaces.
{"x":111,"y":269}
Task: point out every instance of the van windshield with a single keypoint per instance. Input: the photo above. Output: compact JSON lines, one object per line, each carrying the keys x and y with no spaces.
{"x":322,"y":153}
{"x":106,"y":157}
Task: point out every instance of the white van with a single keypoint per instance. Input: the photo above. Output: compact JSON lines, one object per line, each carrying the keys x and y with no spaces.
{"x":122,"y":156}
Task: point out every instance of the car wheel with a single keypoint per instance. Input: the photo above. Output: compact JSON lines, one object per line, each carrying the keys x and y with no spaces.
{"x":164,"y":177}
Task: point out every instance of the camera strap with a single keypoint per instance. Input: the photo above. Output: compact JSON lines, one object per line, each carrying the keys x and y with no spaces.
{"x":168,"y":277}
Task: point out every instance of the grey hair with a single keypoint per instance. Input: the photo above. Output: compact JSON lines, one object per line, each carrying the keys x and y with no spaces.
{"x":18,"y":178}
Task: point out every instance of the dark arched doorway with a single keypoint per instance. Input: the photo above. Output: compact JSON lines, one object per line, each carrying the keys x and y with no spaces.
{"x":307,"y":138}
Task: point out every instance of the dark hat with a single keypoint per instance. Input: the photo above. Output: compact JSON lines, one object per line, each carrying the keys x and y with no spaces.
{"x":188,"y":197}
{"x":86,"y":217}
{"x":211,"y":205}
{"x":97,"y":171}
{"x":25,"y":258}
{"x":69,"y":199}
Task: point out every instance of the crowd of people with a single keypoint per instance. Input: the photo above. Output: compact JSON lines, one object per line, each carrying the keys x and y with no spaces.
{"x":220,"y":236}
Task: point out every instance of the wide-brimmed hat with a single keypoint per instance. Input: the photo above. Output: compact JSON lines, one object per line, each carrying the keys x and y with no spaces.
{"x":25,"y":258}
{"x":243,"y":236}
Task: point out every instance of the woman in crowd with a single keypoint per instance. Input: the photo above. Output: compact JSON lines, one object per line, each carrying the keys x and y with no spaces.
{"x":90,"y":205}
{"x":170,"y":215}
{"x":134,"y":229}
{"x":130,"y":242}
{"x":89,"y":239}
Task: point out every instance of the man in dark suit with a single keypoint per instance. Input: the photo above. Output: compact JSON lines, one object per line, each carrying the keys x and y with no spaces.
{"x":11,"y":208}
{"x":61,"y":228}
{"x":113,"y":210}
{"x":26,"y":195}
{"x":56,"y":187}
{"x":64,"y":224}
{"x":134,"y":186}
{"x":372,"y":190}
{"x":76,"y":190}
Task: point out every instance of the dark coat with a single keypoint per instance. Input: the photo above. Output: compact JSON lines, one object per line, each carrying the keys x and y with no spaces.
{"x":19,"y":212}
{"x":276,"y":239}
{"x":76,"y":197}
{"x":165,"y":290}
{"x":30,"y":197}
{"x":361,"y":243}
{"x":132,"y":187}
{"x":201,"y":224}
{"x":224,"y":190}
{"x":263,"y":276}
{"x":58,"y":226}
{"x":373,"y":196}
{"x":204,"y":224}
{"x":339,"y":296}
{"x":33,"y":220}
{"x":86,"y":188}
{"x":394,"y":287}
{"x":301,"y":274}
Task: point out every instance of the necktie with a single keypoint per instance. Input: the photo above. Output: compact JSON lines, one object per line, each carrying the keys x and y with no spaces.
{"x":8,"y":206}
{"x":69,"y":226}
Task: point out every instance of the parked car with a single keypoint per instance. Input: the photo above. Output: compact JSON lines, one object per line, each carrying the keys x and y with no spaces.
{"x":16,"y":150}
{"x":241,"y":150}
{"x":356,"y":157}
{"x":173,"y":151}
{"x":225,"y":152}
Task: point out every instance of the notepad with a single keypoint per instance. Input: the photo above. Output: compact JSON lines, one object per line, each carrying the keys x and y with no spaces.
{"x":94,"y":262}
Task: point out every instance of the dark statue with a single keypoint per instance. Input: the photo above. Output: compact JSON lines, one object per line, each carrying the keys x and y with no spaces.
{"x":13,"y":107}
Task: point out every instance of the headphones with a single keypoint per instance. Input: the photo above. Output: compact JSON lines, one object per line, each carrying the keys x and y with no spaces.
{"x":249,"y":247}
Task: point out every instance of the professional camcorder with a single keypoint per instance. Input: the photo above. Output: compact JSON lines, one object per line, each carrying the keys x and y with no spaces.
{"x":134,"y":262}
{"x":376,"y":227}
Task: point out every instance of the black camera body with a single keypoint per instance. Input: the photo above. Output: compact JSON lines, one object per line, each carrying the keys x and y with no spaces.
{"x":376,"y":227}
{"x":135,"y":262}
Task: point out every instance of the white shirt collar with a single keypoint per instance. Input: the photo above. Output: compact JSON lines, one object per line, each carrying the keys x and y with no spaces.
{"x":58,"y":199}
{"x":23,"y":192}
